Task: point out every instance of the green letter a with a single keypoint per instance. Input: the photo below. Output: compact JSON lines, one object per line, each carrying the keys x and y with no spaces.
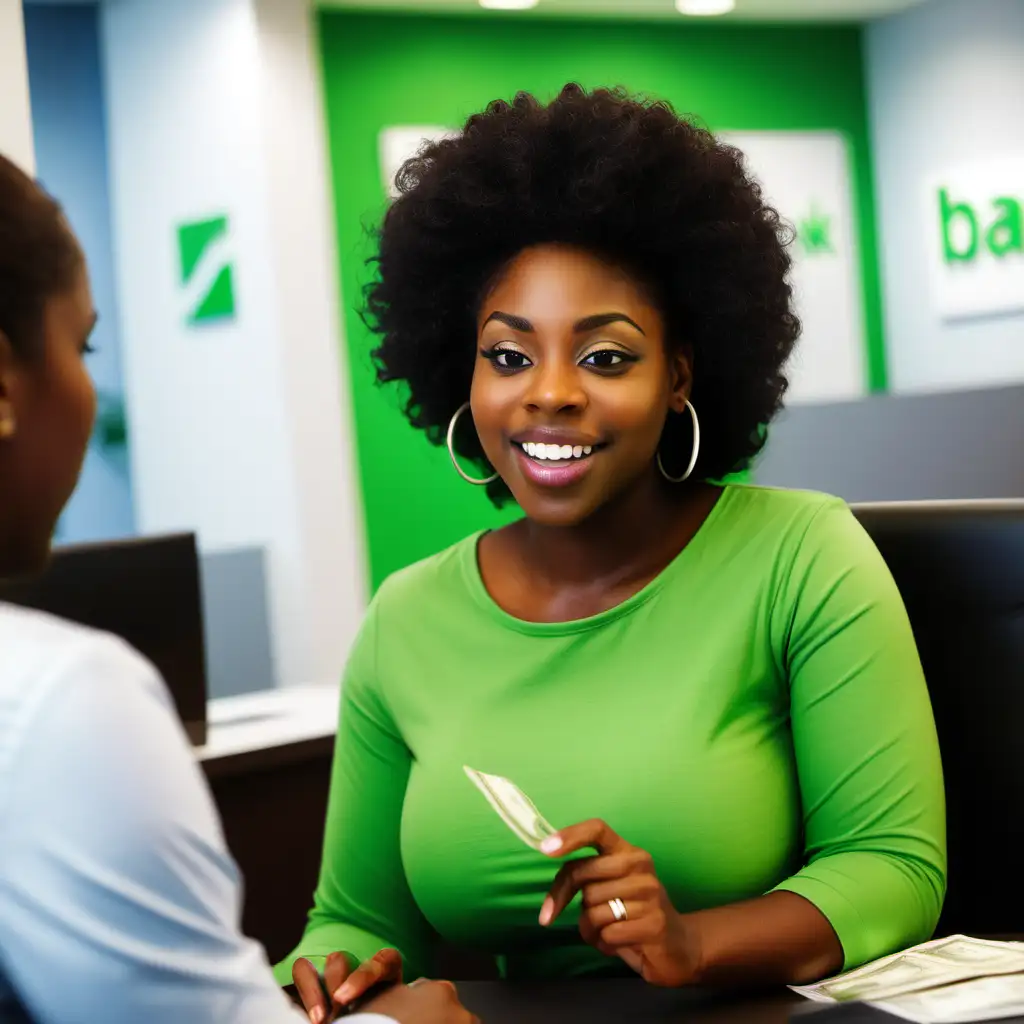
{"x":1006,"y":233}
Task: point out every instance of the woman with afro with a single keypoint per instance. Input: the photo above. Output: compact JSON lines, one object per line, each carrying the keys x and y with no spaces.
{"x":710,"y":688}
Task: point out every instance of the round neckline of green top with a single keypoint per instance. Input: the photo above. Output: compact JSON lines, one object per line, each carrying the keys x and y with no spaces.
{"x":482,"y":597}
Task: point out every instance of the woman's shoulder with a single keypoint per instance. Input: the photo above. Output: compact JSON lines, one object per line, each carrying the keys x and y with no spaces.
{"x":812,"y":540}
{"x":785,"y":513}
{"x":42,"y":641}
{"x":45,"y":657}
{"x":42,"y":645}
{"x":795,"y":502}
{"x":439,"y":577}
{"x":790,"y":527}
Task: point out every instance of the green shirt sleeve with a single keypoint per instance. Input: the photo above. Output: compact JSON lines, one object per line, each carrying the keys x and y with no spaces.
{"x":864,"y":737}
{"x":362,"y":902}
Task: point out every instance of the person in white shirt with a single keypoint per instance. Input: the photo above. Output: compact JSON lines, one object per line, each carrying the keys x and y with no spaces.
{"x":119,"y":900}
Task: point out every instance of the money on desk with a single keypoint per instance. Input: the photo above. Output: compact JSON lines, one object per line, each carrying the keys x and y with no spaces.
{"x":946,"y":981}
{"x":992,"y":998}
{"x":514,"y":807}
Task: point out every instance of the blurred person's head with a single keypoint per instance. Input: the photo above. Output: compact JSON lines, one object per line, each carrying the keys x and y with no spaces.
{"x":47,"y":402}
{"x":580,"y":271}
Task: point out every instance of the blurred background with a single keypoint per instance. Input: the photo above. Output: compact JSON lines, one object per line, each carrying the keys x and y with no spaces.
{"x":221,"y":161}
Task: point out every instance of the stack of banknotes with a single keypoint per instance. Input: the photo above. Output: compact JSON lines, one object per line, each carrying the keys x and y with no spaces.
{"x":956,"y":980}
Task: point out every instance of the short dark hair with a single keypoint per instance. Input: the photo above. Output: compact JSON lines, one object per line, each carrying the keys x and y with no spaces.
{"x":39,"y":257}
{"x":620,"y":176}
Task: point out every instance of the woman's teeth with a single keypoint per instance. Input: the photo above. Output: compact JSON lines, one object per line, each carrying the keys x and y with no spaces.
{"x":556,"y":452}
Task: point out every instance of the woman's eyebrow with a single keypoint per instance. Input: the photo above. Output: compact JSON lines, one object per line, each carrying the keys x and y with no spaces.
{"x":588,"y":323}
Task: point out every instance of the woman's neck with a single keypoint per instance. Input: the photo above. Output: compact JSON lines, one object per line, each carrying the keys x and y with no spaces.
{"x":630,"y":538}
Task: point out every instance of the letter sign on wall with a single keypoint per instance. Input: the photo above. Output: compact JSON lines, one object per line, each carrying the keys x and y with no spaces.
{"x":975,"y":216}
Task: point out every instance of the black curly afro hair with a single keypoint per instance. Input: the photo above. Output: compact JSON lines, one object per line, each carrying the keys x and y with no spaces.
{"x":626,"y":179}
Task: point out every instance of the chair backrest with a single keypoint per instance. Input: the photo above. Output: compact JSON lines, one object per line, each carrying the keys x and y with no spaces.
{"x":959,"y":566}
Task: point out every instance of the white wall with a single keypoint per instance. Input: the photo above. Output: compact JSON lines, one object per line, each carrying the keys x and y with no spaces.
{"x":314,"y":377}
{"x":238,"y":429}
{"x":946,"y":87}
{"x":15,"y":111}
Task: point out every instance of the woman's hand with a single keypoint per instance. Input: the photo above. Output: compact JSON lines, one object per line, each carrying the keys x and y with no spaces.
{"x":344,"y":984}
{"x":626,"y":911}
{"x":422,"y":1002}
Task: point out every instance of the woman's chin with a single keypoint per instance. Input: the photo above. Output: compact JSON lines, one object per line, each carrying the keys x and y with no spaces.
{"x":556,"y":510}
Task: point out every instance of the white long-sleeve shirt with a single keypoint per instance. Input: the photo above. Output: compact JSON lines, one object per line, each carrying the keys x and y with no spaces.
{"x":119,"y":901}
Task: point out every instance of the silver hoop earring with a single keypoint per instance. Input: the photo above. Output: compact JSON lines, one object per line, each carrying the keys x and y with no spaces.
{"x":693,"y":454}
{"x":451,"y":451}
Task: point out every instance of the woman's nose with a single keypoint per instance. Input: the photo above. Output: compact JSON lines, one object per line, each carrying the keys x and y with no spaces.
{"x":555,"y":387}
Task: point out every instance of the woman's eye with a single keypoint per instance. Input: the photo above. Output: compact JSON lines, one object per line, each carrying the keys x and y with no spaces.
{"x":604,"y":360}
{"x":508,"y":359}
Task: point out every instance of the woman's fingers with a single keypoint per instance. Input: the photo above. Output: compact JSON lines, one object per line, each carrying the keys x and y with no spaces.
{"x":629,"y":888}
{"x":591,"y":935}
{"x":344,"y":984}
{"x":561,"y":892}
{"x":640,"y":932}
{"x":307,"y":984}
{"x":383,"y":968}
{"x":594,"y":834}
{"x":336,"y":971}
{"x":630,"y":868}
{"x":633,"y":959}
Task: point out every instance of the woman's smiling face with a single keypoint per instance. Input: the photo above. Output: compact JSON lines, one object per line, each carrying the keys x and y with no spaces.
{"x":573,"y":382}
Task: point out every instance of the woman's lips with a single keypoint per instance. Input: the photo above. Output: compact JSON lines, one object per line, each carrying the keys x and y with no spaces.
{"x":559,"y":472}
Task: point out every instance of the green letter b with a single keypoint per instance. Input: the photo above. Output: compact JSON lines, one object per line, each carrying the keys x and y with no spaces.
{"x":950,"y":212}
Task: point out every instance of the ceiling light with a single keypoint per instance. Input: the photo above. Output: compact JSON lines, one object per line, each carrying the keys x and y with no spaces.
{"x":508,"y":5}
{"x":703,"y":8}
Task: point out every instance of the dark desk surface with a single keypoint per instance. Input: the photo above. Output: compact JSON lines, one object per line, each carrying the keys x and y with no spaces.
{"x":613,"y":1002}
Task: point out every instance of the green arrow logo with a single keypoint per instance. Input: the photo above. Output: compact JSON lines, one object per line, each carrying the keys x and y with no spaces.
{"x":206,"y":274}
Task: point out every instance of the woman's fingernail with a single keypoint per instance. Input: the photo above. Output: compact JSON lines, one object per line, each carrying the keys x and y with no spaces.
{"x":546,"y":910}
{"x":551,"y":845}
{"x":316,"y":1015}
{"x":343,"y":992}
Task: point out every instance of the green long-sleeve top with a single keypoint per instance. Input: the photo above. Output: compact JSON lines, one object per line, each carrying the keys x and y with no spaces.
{"x":756,"y":718}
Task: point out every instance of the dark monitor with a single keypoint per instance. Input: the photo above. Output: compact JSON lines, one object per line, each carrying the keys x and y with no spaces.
{"x":959,"y":566}
{"x":145,"y":590}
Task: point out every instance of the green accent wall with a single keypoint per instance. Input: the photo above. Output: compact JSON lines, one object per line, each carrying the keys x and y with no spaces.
{"x":388,"y":69}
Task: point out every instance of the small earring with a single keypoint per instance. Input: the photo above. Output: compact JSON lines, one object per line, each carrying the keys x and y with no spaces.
{"x":477,"y":481}
{"x":693,"y":453}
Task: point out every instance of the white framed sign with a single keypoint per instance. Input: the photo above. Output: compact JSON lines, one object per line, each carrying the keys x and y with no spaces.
{"x":806,"y":177}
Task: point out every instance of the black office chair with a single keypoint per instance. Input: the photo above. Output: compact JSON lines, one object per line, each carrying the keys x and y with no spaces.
{"x":960,"y":568}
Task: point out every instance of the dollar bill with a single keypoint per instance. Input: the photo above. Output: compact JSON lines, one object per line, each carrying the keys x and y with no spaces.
{"x":513,"y":806}
{"x":931,"y":965}
{"x":993,"y":998}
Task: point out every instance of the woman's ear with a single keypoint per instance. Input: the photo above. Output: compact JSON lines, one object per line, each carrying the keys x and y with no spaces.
{"x":681,"y":366}
{"x":8,"y":421}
